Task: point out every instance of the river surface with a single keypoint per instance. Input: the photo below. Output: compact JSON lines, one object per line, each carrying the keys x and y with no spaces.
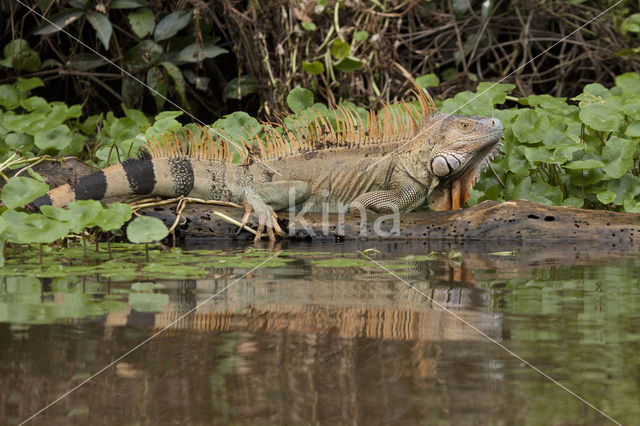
{"x":321,"y":335}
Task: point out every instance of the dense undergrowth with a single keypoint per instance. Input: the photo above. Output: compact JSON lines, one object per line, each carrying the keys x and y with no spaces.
{"x":581,"y":152}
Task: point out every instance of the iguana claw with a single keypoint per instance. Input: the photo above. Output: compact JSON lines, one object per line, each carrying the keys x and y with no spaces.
{"x":267,"y":218}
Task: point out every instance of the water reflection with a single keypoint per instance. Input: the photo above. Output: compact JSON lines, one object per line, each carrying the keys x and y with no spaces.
{"x":305,"y":344}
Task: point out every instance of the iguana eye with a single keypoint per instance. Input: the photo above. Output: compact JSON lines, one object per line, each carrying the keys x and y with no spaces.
{"x":464,"y":125}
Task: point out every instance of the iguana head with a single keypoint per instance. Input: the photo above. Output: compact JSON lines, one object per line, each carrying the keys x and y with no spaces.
{"x":463,"y":147}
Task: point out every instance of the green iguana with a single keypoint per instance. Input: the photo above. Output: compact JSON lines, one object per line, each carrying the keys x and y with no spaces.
{"x":390,"y":161}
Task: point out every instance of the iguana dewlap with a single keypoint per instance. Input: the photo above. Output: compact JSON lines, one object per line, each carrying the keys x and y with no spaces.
{"x":395,"y":160}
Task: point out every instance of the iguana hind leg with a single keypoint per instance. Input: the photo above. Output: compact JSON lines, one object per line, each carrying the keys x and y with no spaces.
{"x":265,"y":199}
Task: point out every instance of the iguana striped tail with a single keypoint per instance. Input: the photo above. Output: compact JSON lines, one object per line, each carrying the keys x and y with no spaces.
{"x":140,"y":176}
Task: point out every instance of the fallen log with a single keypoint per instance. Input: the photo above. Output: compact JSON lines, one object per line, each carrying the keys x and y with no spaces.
{"x":513,"y":221}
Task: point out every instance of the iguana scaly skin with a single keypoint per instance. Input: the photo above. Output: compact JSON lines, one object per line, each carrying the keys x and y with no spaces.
{"x":395,"y":160}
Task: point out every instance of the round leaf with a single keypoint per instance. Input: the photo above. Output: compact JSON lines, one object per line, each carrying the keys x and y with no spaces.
{"x":113,"y":217}
{"x":142,"y":21}
{"x":19,"y":191}
{"x":315,"y":67}
{"x":171,"y":24}
{"x":145,"y":229}
{"x":55,"y":139}
{"x":349,"y":64}
{"x":340,"y":49}
{"x":599,"y":117}
{"x":427,"y":80}
{"x":299,"y":99}
{"x":9,"y":97}
{"x":606,"y":197}
{"x":618,"y":156}
{"x":36,"y":228}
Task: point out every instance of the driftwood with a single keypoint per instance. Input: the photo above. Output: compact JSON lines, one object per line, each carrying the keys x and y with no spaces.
{"x":513,"y":221}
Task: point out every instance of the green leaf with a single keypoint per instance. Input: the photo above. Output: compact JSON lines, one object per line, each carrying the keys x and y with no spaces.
{"x":145,"y":229}
{"x":78,"y":214}
{"x":85,"y":61}
{"x":360,"y":35}
{"x":606,"y":197}
{"x":178,"y":80}
{"x":142,"y":21}
{"x":125,"y":4}
{"x":103,"y":27}
{"x":573,"y":202}
{"x":19,"y":191}
{"x":627,"y":187}
{"x":618,"y":156}
{"x":340,"y":49}
{"x":427,"y":80}
{"x":600,"y":117}
{"x":54,"y":139}
{"x":315,"y":67}
{"x":240,"y":87}
{"x":196,"y":52}
{"x":309,"y":26}
{"x":629,"y":81}
{"x":36,"y":228}
{"x":157,"y":82}
{"x":26,"y":84}
{"x":59,"y":21}
{"x":171,"y":24}
{"x":299,"y":99}
{"x":349,"y":64}
{"x":632,"y":23}
{"x":113,"y":217}
{"x":633,"y":130}
{"x":143,"y":55}
{"x":201,"y":82}
{"x":18,"y":140}
{"x":584,"y":164}
{"x":531,"y":126}
{"x":18,"y":55}
{"x":9,"y":97}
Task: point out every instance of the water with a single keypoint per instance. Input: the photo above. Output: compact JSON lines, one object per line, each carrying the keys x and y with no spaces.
{"x":324,"y":338}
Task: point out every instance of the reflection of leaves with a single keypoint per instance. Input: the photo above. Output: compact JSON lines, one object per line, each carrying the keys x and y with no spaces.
{"x":148,"y":302}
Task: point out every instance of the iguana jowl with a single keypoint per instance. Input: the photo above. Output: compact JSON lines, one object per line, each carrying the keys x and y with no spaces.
{"x":390,"y":161}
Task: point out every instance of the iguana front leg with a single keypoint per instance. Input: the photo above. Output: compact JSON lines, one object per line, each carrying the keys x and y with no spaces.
{"x":389,"y":201}
{"x":264,"y":199}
